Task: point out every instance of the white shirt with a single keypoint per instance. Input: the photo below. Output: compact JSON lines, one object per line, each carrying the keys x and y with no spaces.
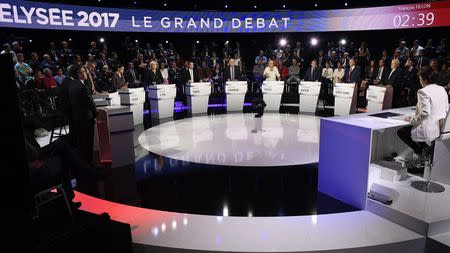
{"x":191,"y":74}
{"x":271,"y":75}
{"x":165,"y":75}
{"x":380,"y":73}
{"x":327,"y":73}
{"x":431,"y":108}
{"x":338,"y":75}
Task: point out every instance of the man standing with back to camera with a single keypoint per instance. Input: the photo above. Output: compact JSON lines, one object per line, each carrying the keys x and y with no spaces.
{"x":80,"y":109}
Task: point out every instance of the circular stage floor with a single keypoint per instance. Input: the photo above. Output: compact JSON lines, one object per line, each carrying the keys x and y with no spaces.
{"x":227,"y":140}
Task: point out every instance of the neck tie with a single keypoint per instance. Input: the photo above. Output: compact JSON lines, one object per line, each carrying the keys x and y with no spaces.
{"x":232,"y":73}
{"x":349,"y":74}
{"x":420,"y":62}
{"x":134,"y":76}
{"x":92,"y":82}
{"x":312,"y":72}
{"x":379,"y":73}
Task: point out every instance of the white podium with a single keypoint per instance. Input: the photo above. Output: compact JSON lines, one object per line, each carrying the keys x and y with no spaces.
{"x":198,"y":97}
{"x":272,"y":92}
{"x":344,"y":98}
{"x":378,"y":98}
{"x":309,"y":95}
{"x":135,"y":99}
{"x":162,"y":99}
{"x":235,"y":91}
{"x":106,"y":99}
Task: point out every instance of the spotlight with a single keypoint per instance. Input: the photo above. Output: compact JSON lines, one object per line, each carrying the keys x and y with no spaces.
{"x":198,"y":42}
{"x":283,"y":42}
{"x":315,"y":5}
{"x":226,"y":6}
{"x":345,"y":4}
{"x":31,"y":41}
{"x":165,"y":4}
{"x":225,"y":211}
{"x":226,"y":42}
{"x":102,"y":40}
{"x":174,"y":225}
{"x":70,"y":39}
{"x":136,"y":41}
{"x":284,"y":6}
{"x":135,"y":2}
{"x":99,"y":1}
{"x":254,"y":6}
{"x":314,"y":41}
{"x":167,"y":41}
{"x":343,"y":42}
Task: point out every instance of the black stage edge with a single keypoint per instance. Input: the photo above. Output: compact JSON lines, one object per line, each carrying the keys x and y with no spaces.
{"x":87,"y":232}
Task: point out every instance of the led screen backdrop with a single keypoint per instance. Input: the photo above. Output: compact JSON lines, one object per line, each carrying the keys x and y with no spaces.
{"x":36,"y":15}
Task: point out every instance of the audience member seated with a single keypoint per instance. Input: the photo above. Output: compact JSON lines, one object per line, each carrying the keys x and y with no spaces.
{"x":48,"y":81}
{"x":104,"y":82}
{"x":394,"y":79}
{"x":382,"y":73}
{"x":411,"y":82}
{"x":261,"y":57}
{"x":59,"y":77}
{"x":48,"y":63}
{"x":24,"y":70}
{"x":353,"y":73}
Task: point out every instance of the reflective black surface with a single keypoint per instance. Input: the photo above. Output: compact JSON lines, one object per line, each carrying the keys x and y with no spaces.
{"x":173,"y":185}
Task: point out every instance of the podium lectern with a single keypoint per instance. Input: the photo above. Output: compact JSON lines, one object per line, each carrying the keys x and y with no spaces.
{"x":106,"y":99}
{"x":134,"y":98}
{"x":344,"y":98}
{"x":162,"y":99}
{"x":379,"y":98}
{"x":272,"y":92}
{"x":198,"y":97}
{"x":309,"y":95}
{"x":235,"y":91}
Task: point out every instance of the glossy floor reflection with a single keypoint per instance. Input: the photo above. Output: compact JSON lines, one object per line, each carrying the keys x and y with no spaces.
{"x":227,"y":139}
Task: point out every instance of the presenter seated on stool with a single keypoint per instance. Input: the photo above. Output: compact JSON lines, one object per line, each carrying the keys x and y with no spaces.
{"x":431,"y":110}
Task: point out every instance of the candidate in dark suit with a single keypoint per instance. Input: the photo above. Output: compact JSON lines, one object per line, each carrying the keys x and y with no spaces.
{"x":81,"y":112}
{"x":314,"y":73}
{"x":232,"y":72}
{"x":395,"y":79}
{"x":353,"y":73}
{"x":132,"y":77}
{"x":382,"y":73}
{"x":190,"y":74}
{"x":153,"y":76}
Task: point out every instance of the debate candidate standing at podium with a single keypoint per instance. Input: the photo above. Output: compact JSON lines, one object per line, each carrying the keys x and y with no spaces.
{"x":313,"y":73}
{"x":153,"y":76}
{"x":353,"y":73}
{"x":232,"y":72}
{"x":190,"y":74}
{"x":271,"y":72}
{"x":431,"y":109}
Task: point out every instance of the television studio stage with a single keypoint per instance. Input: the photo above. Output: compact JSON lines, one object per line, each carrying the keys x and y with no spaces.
{"x":248,"y":163}
{"x":335,"y":214}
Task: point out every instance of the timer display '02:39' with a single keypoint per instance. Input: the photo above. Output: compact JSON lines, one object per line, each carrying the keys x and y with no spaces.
{"x":407,"y":20}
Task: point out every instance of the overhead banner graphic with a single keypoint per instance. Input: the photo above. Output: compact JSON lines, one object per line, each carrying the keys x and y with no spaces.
{"x":37,"y":15}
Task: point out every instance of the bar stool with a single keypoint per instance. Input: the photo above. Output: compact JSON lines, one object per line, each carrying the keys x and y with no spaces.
{"x":428,"y":185}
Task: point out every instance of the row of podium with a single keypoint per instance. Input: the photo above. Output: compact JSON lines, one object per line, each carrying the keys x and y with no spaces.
{"x":162,"y":98}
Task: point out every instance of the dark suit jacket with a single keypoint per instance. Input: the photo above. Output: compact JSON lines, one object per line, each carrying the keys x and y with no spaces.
{"x":424,"y":61}
{"x":187,"y":76}
{"x":77,"y":101}
{"x":321,"y":62}
{"x":129,"y":77}
{"x":316,"y":76}
{"x":395,"y":79}
{"x":237,"y":73}
{"x":354,"y":76}
{"x":384,"y":75}
{"x":152,"y":78}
